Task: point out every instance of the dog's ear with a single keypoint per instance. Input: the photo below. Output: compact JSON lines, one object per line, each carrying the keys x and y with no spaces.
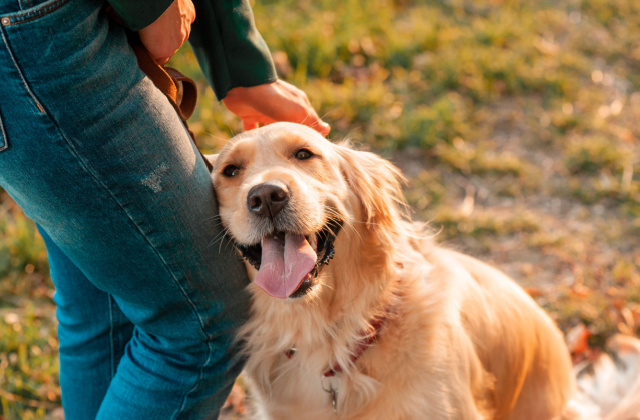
{"x":377,"y":183}
{"x":210,"y":160}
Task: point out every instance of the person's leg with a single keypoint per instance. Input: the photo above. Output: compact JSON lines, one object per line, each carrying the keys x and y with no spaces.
{"x":92,"y":332}
{"x":98,"y":158}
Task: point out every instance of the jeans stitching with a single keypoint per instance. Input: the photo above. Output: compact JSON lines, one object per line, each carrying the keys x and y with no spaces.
{"x":197,"y":382}
{"x":22,"y":77}
{"x":29,"y":15}
{"x":111,"y":332}
{"x":4,"y":143}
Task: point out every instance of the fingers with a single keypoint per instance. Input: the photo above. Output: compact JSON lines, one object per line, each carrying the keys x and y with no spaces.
{"x":311,"y":119}
{"x":322,"y":128}
{"x":272,"y":102}
{"x":249,"y":125}
{"x":285,"y":102}
{"x":162,"y":61}
{"x":255,"y":121}
{"x":313,"y":122}
{"x":165,"y":35}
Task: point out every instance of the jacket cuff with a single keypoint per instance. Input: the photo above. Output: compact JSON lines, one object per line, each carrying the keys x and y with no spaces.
{"x":230,"y":50}
{"x":138,"y":14}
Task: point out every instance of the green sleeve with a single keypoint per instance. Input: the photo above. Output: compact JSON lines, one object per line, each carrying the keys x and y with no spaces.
{"x":137,"y":14}
{"x":229,"y":48}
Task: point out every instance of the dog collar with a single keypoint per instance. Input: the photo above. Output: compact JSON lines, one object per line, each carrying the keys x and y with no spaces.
{"x":362,"y":347}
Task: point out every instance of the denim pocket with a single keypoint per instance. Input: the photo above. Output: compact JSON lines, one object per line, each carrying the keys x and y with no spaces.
{"x":36,"y":10}
{"x":4,"y":143}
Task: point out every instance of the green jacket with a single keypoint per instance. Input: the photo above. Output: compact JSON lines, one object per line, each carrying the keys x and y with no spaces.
{"x":229,"y":48}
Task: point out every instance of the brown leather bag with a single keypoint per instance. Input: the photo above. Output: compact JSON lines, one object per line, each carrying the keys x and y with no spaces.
{"x":178,"y":88}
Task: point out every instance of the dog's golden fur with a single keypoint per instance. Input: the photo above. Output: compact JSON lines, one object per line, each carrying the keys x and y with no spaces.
{"x":460,"y":340}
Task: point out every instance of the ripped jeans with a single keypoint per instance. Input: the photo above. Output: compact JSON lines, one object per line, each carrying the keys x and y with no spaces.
{"x":148,"y":300}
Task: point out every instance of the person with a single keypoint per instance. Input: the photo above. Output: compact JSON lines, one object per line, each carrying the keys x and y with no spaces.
{"x":149,"y":292}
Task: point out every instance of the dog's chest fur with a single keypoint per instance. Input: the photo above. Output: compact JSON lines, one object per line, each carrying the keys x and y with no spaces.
{"x":292,"y":388}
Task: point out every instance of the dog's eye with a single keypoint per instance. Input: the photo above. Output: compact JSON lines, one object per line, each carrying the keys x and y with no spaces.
{"x":303,"y":154}
{"x":231,"y":171}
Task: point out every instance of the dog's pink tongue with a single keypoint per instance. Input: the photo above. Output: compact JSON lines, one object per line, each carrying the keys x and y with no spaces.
{"x":284,"y":265}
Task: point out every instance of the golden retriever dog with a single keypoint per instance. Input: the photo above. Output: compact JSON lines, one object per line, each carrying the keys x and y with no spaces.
{"x":357,"y":314}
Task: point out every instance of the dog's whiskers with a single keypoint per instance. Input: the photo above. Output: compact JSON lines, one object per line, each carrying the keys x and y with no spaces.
{"x":320,"y":119}
{"x":328,"y":112}
{"x":206,"y":133}
{"x":212,"y":222}
{"x":215,"y":238}
{"x":346,"y":222}
{"x":219,"y":238}
{"x":305,"y":119}
{"x":225,"y":231}
{"x":231,"y":130}
{"x":217,"y":216}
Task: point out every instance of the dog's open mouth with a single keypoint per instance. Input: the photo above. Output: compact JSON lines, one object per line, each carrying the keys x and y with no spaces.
{"x":288,"y":262}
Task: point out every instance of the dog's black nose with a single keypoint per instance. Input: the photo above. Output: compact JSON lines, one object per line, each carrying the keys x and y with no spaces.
{"x":267,"y":200}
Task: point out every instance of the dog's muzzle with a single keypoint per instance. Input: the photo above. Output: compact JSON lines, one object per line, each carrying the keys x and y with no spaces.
{"x":325,"y":251}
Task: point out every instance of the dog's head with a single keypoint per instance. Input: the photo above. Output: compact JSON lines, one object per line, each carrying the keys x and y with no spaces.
{"x":288,"y":196}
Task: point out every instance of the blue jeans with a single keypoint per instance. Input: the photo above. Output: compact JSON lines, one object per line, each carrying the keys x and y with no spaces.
{"x":148,"y":293}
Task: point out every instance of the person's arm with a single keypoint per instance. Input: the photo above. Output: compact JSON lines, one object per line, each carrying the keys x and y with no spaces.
{"x":237,"y":63}
{"x":162,"y":25}
{"x":229,"y":48}
{"x":231,"y":52}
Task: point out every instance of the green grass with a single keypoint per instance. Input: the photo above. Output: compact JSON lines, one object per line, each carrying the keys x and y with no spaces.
{"x":515,"y":122}
{"x":28,"y":344}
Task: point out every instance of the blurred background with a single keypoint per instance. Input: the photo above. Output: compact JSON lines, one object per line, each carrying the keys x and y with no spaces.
{"x":516,"y":123}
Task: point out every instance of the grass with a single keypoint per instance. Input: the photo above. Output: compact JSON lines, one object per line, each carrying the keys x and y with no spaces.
{"x":515,"y":122}
{"x":28,"y":344}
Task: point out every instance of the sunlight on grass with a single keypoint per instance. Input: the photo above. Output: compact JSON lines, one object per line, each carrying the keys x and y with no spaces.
{"x":515,"y":122}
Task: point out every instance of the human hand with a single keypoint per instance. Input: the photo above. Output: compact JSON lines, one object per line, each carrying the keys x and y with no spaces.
{"x":167,"y":33}
{"x":273,"y":102}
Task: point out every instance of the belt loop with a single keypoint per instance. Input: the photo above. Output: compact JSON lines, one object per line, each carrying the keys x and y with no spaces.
{"x":8,"y":7}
